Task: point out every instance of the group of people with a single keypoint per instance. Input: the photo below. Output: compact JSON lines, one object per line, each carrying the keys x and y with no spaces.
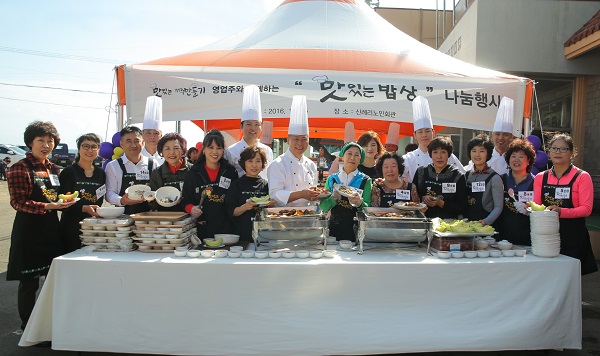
{"x":218,"y":183}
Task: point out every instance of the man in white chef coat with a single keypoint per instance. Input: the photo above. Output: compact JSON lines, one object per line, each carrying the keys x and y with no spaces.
{"x":251,"y":126}
{"x":292,"y":173}
{"x":424,"y":133}
{"x":151,"y":129}
{"x":502,"y":136}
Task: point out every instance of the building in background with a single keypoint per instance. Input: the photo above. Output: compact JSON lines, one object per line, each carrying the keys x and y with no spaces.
{"x":553,"y":42}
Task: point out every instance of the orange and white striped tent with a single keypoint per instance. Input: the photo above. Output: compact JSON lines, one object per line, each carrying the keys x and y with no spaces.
{"x":350,"y":63}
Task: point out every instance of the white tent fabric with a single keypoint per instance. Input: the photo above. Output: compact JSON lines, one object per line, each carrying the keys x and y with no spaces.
{"x":347,"y":60}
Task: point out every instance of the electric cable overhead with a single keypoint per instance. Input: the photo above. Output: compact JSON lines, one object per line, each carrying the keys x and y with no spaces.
{"x":55,"y":88}
{"x":47,"y":103}
{"x":62,"y":55}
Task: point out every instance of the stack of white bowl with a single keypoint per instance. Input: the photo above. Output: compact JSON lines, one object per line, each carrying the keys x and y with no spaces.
{"x":545,"y":237}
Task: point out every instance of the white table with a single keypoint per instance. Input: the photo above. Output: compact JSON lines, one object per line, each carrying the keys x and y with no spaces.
{"x":380,"y":302}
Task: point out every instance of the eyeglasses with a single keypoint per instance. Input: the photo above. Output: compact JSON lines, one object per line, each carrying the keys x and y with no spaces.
{"x":559,"y":149}
{"x":90,"y":147}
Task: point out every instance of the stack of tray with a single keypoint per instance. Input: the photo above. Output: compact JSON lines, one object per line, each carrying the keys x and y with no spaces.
{"x":162,"y":232}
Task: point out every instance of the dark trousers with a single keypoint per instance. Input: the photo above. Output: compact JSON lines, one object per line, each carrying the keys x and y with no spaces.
{"x":26,"y":298}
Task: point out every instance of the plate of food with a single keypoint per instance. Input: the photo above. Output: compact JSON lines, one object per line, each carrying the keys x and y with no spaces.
{"x":67,"y":202}
{"x":136,"y":191}
{"x":167,"y":196}
{"x":261,"y":201}
{"x":409,"y":205}
{"x":347,"y":191}
{"x":323,"y":193}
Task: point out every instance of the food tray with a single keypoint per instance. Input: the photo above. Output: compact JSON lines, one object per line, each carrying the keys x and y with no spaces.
{"x":140,"y":232}
{"x":106,"y":237}
{"x":157,"y":251}
{"x":439,"y":243}
{"x":371,"y":214}
{"x":463,"y":234}
{"x":160,"y":216}
{"x":401,"y":206}
{"x":291,"y":235}
{"x":145,"y":225}
{"x":164,"y":241}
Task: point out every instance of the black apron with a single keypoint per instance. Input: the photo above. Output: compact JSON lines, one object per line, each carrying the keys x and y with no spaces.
{"x":71,"y":216}
{"x":389,"y":199}
{"x":434,"y":188}
{"x":474,"y":210}
{"x":574,"y":235}
{"x":341,"y":223}
{"x":130,"y":179}
{"x":35,"y":239}
{"x":512,"y":225}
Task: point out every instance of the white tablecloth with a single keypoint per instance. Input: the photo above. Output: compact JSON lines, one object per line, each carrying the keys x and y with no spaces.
{"x":380,"y":302}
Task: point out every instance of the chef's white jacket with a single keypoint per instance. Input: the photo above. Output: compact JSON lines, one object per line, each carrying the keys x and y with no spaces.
{"x":233,"y":152}
{"x":158,"y":160}
{"x":497,"y":163}
{"x":288,"y":174}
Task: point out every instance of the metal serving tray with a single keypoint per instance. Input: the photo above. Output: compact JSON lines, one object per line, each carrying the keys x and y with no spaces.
{"x":413,"y":228}
{"x":290,"y":228}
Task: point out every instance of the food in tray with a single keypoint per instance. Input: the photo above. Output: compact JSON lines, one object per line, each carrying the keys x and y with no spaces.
{"x":320,"y":190}
{"x":290,"y":212}
{"x":412,"y":203}
{"x":345,"y":190}
{"x":461,"y":226}
{"x":261,"y":200}
{"x":167,"y":200}
{"x":389,"y":214}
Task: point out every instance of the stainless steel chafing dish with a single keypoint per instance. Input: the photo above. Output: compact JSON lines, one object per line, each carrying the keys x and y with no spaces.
{"x":391,"y":225}
{"x":304,"y":224}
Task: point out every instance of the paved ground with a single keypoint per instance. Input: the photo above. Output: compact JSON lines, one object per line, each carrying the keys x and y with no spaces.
{"x":9,"y":319}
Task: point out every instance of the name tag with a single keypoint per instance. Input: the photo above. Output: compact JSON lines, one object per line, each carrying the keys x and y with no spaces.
{"x":224,"y":182}
{"x":142,"y":175}
{"x":477,"y":187}
{"x":448,"y":188}
{"x":402,"y":194}
{"x":54,"y":180}
{"x":526,"y":196}
{"x":562,"y":193}
{"x":100,"y":192}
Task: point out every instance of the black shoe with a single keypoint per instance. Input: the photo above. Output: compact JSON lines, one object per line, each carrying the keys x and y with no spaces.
{"x":44,"y":344}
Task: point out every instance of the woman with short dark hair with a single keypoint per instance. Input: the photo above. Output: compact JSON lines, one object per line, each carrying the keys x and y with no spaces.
{"x":513,"y":223}
{"x":441,"y":186}
{"x":213,"y":174}
{"x":33,"y":185}
{"x":484,"y":186}
{"x":87,"y":180}
{"x":240,"y":207}
{"x":172,"y":172}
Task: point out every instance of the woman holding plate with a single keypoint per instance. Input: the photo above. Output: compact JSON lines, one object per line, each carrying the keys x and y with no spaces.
{"x":441,"y":186}
{"x":238,"y":200}
{"x":569,"y":191}
{"x":35,"y":239}
{"x":344,"y":205}
{"x":206,"y":184}
{"x":89,"y":182}
{"x":171,"y":173}
{"x":392,"y":189}
{"x":513,"y":223}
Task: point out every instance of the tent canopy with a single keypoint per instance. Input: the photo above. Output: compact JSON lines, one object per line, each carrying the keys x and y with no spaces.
{"x":350,"y":63}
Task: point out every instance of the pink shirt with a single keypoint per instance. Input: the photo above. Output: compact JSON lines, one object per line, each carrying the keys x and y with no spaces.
{"x":582,"y":192}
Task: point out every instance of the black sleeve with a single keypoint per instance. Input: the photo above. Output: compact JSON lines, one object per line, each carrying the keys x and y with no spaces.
{"x":189,"y":189}
{"x":67,"y":181}
{"x":232,"y":197}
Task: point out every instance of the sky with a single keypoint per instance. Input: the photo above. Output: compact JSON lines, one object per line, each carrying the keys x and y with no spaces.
{"x":57,"y":57}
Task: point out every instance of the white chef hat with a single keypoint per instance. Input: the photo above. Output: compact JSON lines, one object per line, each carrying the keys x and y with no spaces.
{"x":504,"y":116}
{"x":267,"y":133}
{"x":153,"y":113}
{"x":251,"y":109}
{"x":349,"y":132}
{"x":393,"y":134}
{"x":421,"y":114}
{"x":298,"y":116}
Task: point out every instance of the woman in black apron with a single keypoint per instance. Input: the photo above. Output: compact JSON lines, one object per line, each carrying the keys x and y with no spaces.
{"x":441,"y":186}
{"x":513,"y":223}
{"x":89,"y":181}
{"x":373,"y":148}
{"x":392,"y":189}
{"x":213,"y":174}
{"x":569,"y":191}
{"x":343,"y":208}
{"x":239,"y":206}
{"x":171,"y":173}
{"x":35,"y":239}
{"x":484,"y":186}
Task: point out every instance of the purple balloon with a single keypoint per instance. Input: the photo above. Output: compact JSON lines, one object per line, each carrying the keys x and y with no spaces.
{"x":116,"y":140}
{"x":541,"y":159}
{"x":535,"y":142}
{"x":106,"y":150}
{"x":106,"y":162}
{"x":535,"y":170}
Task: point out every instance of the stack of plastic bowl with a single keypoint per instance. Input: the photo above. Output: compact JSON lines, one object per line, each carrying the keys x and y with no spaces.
{"x":545,"y":237}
